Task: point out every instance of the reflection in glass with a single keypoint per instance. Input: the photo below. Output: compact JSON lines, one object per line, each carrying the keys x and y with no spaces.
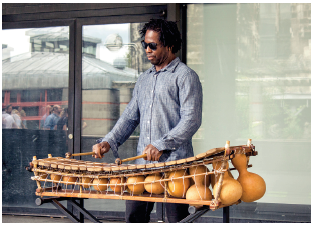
{"x":35,"y":72}
{"x":35,"y":67}
{"x":254,"y":61}
{"x":112,"y":60}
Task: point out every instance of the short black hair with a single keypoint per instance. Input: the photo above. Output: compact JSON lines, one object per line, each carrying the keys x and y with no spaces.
{"x":169,"y":34}
{"x":7,"y":107}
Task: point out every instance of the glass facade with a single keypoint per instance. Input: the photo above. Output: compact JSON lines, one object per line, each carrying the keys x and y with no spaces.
{"x":35,"y":72}
{"x":254,"y":62}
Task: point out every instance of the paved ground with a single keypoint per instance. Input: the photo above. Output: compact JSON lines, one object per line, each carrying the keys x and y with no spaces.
{"x":31,"y":219}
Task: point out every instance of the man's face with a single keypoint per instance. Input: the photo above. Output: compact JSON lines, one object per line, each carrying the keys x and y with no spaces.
{"x":158,"y":56}
{"x":58,"y":109}
{"x":9,"y":110}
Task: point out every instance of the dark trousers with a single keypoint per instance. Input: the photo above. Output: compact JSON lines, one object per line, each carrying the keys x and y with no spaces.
{"x":139,"y":211}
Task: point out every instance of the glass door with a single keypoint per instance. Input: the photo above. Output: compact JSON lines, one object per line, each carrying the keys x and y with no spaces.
{"x":35,"y":81}
{"x":112,"y":60}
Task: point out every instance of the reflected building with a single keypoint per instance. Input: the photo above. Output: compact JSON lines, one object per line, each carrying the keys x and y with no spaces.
{"x":270,"y":55}
{"x":39,"y":78}
{"x":274,"y":67}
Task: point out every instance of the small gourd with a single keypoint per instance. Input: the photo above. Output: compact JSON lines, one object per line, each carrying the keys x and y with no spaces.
{"x":135,"y":188}
{"x":86,"y":181}
{"x":69,"y":179}
{"x":115,"y":182}
{"x":200,"y":179}
{"x":154,"y":187}
{"x":100,"y":184}
{"x":198,"y":192}
{"x":55,"y":177}
{"x":253,"y":185}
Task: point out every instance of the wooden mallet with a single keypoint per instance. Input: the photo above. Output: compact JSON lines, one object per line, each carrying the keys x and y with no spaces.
{"x":118,"y":161}
{"x":68,"y":154}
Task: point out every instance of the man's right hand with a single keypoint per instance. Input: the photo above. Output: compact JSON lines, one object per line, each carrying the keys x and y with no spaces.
{"x":100,"y":149}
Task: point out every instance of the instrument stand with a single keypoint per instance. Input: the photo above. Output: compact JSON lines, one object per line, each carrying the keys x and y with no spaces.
{"x":71,"y":204}
{"x":198,"y":212}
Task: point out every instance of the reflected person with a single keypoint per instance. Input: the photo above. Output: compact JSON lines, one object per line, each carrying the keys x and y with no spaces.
{"x":51,"y":121}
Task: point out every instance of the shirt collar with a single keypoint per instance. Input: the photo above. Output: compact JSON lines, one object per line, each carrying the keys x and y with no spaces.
{"x":170,"y":67}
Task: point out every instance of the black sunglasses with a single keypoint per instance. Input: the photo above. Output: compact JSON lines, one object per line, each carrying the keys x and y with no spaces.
{"x":151,"y":45}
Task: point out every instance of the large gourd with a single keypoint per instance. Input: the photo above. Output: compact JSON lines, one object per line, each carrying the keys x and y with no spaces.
{"x":178,"y":187}
{"x":253,"y":185}
{"x":231,"y":190}
{"x":199,"y":190}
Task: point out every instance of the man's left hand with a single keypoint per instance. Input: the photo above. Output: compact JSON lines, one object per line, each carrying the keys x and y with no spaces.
{"x":153,"y":154}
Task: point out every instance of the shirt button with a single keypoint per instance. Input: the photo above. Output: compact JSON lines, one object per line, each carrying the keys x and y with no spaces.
{"x":150,"y":106}
{"x":147,"y":137}
{"x":148,"y":121}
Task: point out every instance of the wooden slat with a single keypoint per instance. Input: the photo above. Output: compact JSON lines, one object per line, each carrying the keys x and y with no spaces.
{"x":82,"y":167}
{"x":141,"y":166}
{"x":171,"y":163}
{"x":201,"y":155}
{"x":160,"y":164}
{"x":107,"y":168}
{"x":190,"y":159}
{"x":181,"y":161}
{"x":151,"y":165}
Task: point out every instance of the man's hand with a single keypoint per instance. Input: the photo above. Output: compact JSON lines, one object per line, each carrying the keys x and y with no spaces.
{"x":153,"y":154}
{"x":100,"y":149}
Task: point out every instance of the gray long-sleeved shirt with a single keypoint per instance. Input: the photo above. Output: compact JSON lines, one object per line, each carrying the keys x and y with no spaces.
{"x":168,"y":106}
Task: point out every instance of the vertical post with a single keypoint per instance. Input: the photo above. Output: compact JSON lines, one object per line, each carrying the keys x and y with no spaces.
{"x":160,"y":213}
{"x":226,"y":214}
{"x":80,"y":215}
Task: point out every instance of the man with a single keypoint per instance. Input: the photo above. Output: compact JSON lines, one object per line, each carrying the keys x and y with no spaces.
{"x":51,"y":121}
{"x":47,"y":109}
{"x":167,"y":103}
{"x":7,"y":119}
{"x":62,"y":124}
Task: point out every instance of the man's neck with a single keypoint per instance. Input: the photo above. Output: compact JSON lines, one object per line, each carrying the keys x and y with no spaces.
{"x":166,"y":62}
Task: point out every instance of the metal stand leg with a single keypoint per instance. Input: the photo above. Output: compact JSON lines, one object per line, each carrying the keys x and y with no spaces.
{"x":65,"y":211}
{"x":160,"y":212}
{"x":195,"y":213}
{"x":71,"y":204}
{"x":226,"y":214}
{"x":84,"y":212}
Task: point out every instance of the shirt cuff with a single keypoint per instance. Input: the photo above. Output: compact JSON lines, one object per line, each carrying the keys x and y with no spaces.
{"x":162,"y":145}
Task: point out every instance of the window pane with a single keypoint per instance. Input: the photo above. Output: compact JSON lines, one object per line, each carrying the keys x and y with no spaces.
{"x":112,"y":60}
{"x":35,"y":64}
{"x":254,"y":61}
